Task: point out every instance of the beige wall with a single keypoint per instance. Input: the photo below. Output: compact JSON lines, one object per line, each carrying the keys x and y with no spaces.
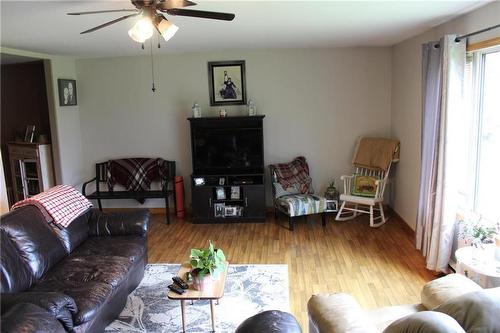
{"x":406,"y":107}
{"x":316,"y":103}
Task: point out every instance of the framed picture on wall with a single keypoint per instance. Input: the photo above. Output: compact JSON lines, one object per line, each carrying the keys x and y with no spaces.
{"x":226,"y":81}
{"x":67,"y":92}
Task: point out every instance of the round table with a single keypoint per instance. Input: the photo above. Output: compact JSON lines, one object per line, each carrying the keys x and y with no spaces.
{"x":484,"y":271}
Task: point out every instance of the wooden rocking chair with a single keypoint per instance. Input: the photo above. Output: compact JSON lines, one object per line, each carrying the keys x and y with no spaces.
{"x":373,"y":159}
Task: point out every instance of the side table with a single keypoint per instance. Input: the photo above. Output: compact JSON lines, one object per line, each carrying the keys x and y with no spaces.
{"x":191,"y":294}
{"x":486,"y":273}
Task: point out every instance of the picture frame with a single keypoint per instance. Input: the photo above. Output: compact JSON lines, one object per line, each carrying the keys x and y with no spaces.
{"x":29,"y":135}
{"x":331,"y":205}
{"x":220,"y":193}
{"x":226,"y":82}
{"x":67,"y":92}
{"x":219,"y":210}
{"x":235,"y":193}
{"x":230,"y":211}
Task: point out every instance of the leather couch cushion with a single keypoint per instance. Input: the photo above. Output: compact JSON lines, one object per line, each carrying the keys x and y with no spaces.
{"x":89,"y":296}
{"x":34,"y":239}
{"x":438,"y":291}
{"x":384,"y":316}
{"x":131,"y":247}
{"x":27,"y":317}
{"x":425,"y":322}
{"x":272,"y":321}
{"x":108,"y":269}
{"x":477,"y":311}
{"x":337,"y":313}
{"x":89,"y":280}
{"x":15,"y":273}
{"x":76,"y":233}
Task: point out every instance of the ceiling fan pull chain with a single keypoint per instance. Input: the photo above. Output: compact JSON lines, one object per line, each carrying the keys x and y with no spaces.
{"x":152,"y":66}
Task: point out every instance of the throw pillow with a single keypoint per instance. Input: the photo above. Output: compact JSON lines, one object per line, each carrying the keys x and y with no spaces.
{"x":477,"y":311}
{"x":281,"y":192}
{"x":425,"y":322}
{"x":294,"y":173}
{"x":364,"y":186}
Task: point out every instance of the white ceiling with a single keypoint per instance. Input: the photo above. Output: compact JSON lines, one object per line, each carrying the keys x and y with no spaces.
{"x":42,"y":26}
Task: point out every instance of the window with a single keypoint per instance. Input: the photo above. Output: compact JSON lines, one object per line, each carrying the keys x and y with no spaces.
{"x":481,"y":190}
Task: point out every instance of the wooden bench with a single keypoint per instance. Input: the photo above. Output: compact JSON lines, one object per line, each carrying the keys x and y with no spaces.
{"x":102,"y":177}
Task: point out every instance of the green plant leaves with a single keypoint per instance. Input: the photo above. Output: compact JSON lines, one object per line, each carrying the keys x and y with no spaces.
{"x":207,"y":261}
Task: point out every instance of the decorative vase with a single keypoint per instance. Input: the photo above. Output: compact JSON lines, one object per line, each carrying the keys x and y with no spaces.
{"x":477,"y":253}
{"x":252,"y":109}
{"x":203,"y":284}
{"x":196,"y":110}
{"x":331,"y":192}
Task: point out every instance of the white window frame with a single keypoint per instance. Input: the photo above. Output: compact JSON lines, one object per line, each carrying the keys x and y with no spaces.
{"x":478,"y":64}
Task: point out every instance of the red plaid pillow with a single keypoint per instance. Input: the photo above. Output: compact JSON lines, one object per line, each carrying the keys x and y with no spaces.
{"x":294,"y":174}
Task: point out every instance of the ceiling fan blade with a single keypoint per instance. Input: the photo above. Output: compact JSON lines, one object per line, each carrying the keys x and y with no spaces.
{"x":109,"y":23}
{"x":103,"y":11}
{"x":169,"y":4}
{"x":201,"y":14}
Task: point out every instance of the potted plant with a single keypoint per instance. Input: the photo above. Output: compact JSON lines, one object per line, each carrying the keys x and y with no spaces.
{"x":479,"y":234}
{"x":207,"y":264}
{"x":331,"y":191}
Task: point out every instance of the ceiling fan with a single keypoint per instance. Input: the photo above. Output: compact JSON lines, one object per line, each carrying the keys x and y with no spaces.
{"x":152,"y":14}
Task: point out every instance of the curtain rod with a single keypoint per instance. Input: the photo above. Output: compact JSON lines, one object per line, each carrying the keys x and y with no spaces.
{"x":476,"y":32}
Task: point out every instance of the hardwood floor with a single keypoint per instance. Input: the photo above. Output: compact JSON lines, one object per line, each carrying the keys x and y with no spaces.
{"x":379,"y":267}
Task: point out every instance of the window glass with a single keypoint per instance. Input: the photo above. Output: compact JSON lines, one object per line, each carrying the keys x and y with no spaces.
{"x":488,"y":173}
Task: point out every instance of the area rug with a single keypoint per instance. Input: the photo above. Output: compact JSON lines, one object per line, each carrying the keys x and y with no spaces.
{"x":249,"y":289}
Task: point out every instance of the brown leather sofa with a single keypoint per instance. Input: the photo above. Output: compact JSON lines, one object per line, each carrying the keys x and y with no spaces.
{"x":74,"y":279}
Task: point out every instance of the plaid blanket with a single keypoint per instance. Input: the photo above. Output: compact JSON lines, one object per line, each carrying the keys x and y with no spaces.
{"x":294,"y":174}
{"x":61,"y":204}
{"x":137,"y":174}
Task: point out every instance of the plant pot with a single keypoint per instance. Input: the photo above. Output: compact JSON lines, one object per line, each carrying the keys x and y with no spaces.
{"x":203,"y":284}
{"x":331,"y":193}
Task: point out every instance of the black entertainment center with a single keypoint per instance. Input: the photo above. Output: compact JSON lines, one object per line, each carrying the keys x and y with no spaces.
{"x":227,"y":184}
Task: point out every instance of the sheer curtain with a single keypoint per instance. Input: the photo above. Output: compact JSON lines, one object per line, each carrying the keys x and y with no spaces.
{"x":443,"y":66}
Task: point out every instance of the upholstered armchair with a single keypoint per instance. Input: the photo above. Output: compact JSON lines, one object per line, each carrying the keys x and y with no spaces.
{"x":293,"y":194}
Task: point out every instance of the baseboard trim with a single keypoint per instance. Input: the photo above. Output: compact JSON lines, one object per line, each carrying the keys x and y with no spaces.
{"x":405,"y":226}
{"x":152,"y":210}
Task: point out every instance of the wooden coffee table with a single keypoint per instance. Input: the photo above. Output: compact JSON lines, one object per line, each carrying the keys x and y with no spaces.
{"x":191,"y":294}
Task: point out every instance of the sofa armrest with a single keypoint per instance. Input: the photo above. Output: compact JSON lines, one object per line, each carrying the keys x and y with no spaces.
{"x":27,"y":317}
{"x":337,"y":313}
{"x":438,"y":291}
{"x":134,"y":222}
{"x":60,"y":306}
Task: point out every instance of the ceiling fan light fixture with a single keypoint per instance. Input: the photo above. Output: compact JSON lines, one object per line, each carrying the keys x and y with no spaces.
{"x":142,"y":30}
{"x":166,"y":29}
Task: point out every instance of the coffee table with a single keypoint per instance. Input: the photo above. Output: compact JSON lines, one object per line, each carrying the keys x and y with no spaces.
{"x":191,"y":294}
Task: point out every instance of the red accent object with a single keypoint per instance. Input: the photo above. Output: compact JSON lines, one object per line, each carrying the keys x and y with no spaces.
{"x":179,"y":196}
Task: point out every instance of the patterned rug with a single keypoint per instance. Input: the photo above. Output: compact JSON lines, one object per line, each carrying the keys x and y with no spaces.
{"x":249,"y":289}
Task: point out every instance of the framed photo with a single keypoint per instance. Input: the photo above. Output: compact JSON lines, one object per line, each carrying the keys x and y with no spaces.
{"x":230,"y":211}
{"x":226,"y":81}
{"x":220,"y":193}
{"x":219,"y":210}
{"x":67,"y":92}
{"x":235,"y":192}
{"x":332,"y":205}
{"x":29,"y":135}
